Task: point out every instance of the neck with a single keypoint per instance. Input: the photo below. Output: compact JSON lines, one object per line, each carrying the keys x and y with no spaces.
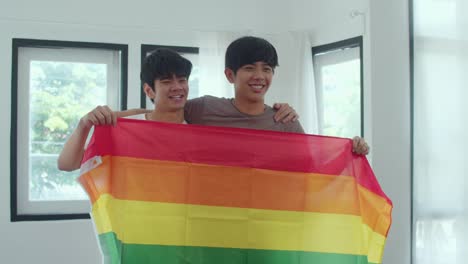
{"x":249,"y":107}
{"x":169,"y":117}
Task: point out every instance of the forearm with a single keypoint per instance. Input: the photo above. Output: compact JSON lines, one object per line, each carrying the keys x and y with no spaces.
{"x":130,"y":112}
{"x":72,"y":153}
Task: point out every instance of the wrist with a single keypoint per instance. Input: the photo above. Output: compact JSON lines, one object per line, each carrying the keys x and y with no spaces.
{"x":83,"y":126}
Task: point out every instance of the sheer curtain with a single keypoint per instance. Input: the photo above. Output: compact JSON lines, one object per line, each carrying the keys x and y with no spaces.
{"x":294,"y":82}
{"x":212,"y":49}
{"x":440,"y":132}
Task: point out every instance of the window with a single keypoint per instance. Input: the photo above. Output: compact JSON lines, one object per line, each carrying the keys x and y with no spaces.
{"x":439,"y":63}
{"x":338,"y":69}
{"x":55,"y":83}
{"x":190,"y":53}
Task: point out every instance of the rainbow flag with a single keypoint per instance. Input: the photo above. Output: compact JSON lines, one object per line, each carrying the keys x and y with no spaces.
{"x":170,"y":193}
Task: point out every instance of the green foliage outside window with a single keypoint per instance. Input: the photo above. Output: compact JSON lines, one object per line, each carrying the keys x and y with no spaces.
{"x":60,"y":94}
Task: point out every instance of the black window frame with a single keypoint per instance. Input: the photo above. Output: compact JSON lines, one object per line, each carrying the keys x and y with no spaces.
{"x":18,"y":43}
{"x":341,"y":45}
{"x":146,"y":48}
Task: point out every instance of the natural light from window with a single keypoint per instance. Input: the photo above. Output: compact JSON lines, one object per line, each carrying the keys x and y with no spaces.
{"x":61,"y":93}
{"x":341,"y":88}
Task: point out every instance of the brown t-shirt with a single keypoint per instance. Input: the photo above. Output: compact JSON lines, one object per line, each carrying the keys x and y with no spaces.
{"x":214,"y":111}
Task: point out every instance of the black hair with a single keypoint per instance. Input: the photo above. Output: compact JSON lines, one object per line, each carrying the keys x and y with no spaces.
{"x":248,"y":50}
{"x":164,"y":63}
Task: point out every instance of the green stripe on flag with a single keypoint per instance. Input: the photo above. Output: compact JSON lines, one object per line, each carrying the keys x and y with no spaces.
{"x":116,"y":252}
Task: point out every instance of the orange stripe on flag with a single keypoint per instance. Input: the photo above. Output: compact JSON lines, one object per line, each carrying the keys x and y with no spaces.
{"x":200,"y":184}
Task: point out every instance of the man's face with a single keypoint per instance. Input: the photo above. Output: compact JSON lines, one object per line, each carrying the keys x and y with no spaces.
{"x":171,"y":93}
{"x":251,"y":81}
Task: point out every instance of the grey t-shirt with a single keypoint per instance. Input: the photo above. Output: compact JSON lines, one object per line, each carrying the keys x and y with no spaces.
{"x":214,"y":111}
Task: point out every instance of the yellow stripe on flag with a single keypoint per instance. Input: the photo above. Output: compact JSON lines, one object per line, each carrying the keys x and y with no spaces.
{"x":154,"y":223}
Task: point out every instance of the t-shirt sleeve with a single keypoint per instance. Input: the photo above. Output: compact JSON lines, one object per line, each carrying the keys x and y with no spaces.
{"x":295,"y":127}
{"x":193,"y":109}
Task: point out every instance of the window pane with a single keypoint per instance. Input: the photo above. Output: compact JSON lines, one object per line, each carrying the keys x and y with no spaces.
{"x":341,"y":88}
{"x":338,"y":85}
{"x":61,"y":93}
{"x":57,"y":82}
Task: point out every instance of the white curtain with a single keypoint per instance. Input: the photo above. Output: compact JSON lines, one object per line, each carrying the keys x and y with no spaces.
{"x":293,"y":81}
{"x":212,"y":49}
{"x":440,"y":132}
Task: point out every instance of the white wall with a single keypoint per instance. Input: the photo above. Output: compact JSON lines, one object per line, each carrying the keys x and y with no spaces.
{"x":134,"y":22}
{"x":389,"y":41}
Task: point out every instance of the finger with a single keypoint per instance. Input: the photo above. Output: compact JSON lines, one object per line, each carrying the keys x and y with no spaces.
{"x":114,"y":119}
{"x":92,"y":119}
{"x":285,"y":110}
{"x":359,"y":142}
{"x":132,"y":112}
{"x":363,"y":148}
{"x":121,"y":113}
{"x":365,"y":152}
{"x":355,"y":143}
{"x":108,"y":114}
{"x":98,"y":113}
{"x":367,"y":149}
{"x":280,"y":115}
{"x":289,"y":117}
{"x":113,"y":116}
{"x":292,"y":117}
{"x":276,"y":106}
{"x":282,"y":112}
{"x":296,"y":117}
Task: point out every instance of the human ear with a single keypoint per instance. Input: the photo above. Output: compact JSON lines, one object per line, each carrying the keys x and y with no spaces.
{"x":149,"y":91}
{"x":230,"y":75}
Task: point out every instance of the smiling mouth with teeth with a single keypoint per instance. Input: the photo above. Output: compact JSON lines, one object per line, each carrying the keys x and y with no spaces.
{"x":258,"y":86}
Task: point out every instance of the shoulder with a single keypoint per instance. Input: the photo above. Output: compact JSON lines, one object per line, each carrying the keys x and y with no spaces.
{"x":206,"y":99}
{"x":195,"y":101}
{"x":208,"y":102}
{"x":132,"y":112}
{"x":293,"y":127}
{"x":216,"y":100}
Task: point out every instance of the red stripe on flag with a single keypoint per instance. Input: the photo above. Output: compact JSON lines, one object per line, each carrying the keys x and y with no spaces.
{"x":235,"y":147}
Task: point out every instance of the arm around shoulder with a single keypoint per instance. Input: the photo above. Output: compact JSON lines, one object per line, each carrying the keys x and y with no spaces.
{"x":193,"y":109}
{"x":131,"y":112}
